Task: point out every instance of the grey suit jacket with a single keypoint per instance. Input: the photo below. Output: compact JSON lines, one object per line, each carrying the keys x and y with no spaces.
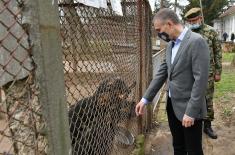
{"x":186,"y":77}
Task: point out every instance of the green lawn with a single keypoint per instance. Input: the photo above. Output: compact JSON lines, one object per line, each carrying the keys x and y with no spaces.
{"x":228,"y":57}
{"x":225,"y":89}
{"x":227,"y":83}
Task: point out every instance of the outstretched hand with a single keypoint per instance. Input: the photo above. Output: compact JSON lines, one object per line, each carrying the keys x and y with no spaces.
{"x":139,"y":109}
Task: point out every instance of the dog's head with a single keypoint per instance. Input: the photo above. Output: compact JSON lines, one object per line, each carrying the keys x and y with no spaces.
{"x":114,"y":87}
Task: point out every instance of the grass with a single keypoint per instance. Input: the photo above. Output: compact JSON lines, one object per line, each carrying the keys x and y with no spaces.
{"x":227,"y":112}
{"x":227,"y":84}
{"x":227,"y":57}
{"x":225,"y":89}
{"x":139,"y":149}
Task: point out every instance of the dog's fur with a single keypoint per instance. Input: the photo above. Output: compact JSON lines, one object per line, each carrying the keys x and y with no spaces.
{"x":93,"y":120}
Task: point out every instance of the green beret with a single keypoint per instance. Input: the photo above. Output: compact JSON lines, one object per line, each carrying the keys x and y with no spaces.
{"x":194,"y":12}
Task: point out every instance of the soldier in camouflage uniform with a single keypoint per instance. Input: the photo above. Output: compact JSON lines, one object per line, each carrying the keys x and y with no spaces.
{"x":195,"y":21}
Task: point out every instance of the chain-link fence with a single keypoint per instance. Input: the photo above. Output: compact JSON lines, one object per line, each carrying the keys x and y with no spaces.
{"x":101,"y":60}
{"x":21,"y":122}
{"x":107,"y":66}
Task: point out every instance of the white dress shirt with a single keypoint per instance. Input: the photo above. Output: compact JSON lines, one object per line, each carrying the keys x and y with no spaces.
{"x":176,"y":46}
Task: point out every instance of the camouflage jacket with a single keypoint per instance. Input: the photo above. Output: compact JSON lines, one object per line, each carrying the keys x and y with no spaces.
{"x":211,"y":36}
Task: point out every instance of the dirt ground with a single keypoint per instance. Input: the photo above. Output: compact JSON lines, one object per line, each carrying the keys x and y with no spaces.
{"x":158,"y":142}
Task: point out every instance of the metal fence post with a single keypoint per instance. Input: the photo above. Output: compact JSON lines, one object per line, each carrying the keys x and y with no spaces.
{"x":47,"y":54}
{"x":140,"y":75}
{"x":145,"y":70}
{"x":148,"y":61}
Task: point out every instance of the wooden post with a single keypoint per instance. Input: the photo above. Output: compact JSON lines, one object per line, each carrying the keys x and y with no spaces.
{"x":45,"y":38}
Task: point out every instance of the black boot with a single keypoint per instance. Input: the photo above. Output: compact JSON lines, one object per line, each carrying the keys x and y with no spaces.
{"x":208,"y":130}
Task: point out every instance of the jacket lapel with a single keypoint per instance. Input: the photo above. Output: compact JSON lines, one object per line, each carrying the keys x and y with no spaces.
{"x":182,"y":47}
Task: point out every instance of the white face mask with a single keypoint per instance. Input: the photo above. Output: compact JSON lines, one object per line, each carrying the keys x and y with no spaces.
{"x":194,"y":26}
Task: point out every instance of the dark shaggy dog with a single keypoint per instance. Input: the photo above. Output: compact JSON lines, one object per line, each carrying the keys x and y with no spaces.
{"x":93,"y":120}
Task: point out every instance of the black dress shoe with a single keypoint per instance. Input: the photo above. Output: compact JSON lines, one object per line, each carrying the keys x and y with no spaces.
{"x":209,"y":131}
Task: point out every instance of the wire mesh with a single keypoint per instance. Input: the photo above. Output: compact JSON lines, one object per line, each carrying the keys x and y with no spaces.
{"x":22,"y":129}
{"x":101,"y":61}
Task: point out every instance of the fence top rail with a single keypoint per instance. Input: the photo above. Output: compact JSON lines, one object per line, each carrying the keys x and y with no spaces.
{"x":158,"y":53}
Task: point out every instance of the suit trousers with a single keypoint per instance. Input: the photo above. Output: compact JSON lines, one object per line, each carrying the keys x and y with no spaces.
{"x":186,"y":141}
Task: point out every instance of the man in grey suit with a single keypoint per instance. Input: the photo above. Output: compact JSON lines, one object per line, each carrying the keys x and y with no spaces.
{"x":185,"y":69}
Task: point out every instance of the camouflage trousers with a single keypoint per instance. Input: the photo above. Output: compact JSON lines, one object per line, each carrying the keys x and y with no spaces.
{"x":209,"y":100}
{"x":24,"y":116}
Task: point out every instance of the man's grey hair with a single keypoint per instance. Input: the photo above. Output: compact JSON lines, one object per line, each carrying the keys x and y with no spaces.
{"x":166,"y":14}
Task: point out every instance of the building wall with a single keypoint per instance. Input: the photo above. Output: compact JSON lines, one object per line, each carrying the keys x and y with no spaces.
{"x":225,"y":24}
{"x":218,"y":27}
{"x":228,"y":25}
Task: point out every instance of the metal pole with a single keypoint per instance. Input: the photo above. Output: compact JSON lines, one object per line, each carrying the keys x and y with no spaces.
{"x":201,"y":11}
{"x":148,"y":59}
{"x":161,"y":4}
{"x":140,"y":17}
{"x":162,"y":43}
{"x":175,"y":5}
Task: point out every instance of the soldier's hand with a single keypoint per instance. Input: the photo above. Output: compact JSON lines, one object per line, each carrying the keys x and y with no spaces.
{"x":139,"y":109}
{"x":217,"y":78}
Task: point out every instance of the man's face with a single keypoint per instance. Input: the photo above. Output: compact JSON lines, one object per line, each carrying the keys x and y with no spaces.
{"x":164,"y":28}
{"x":195,"y":20}
{"x":195,"y":23}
